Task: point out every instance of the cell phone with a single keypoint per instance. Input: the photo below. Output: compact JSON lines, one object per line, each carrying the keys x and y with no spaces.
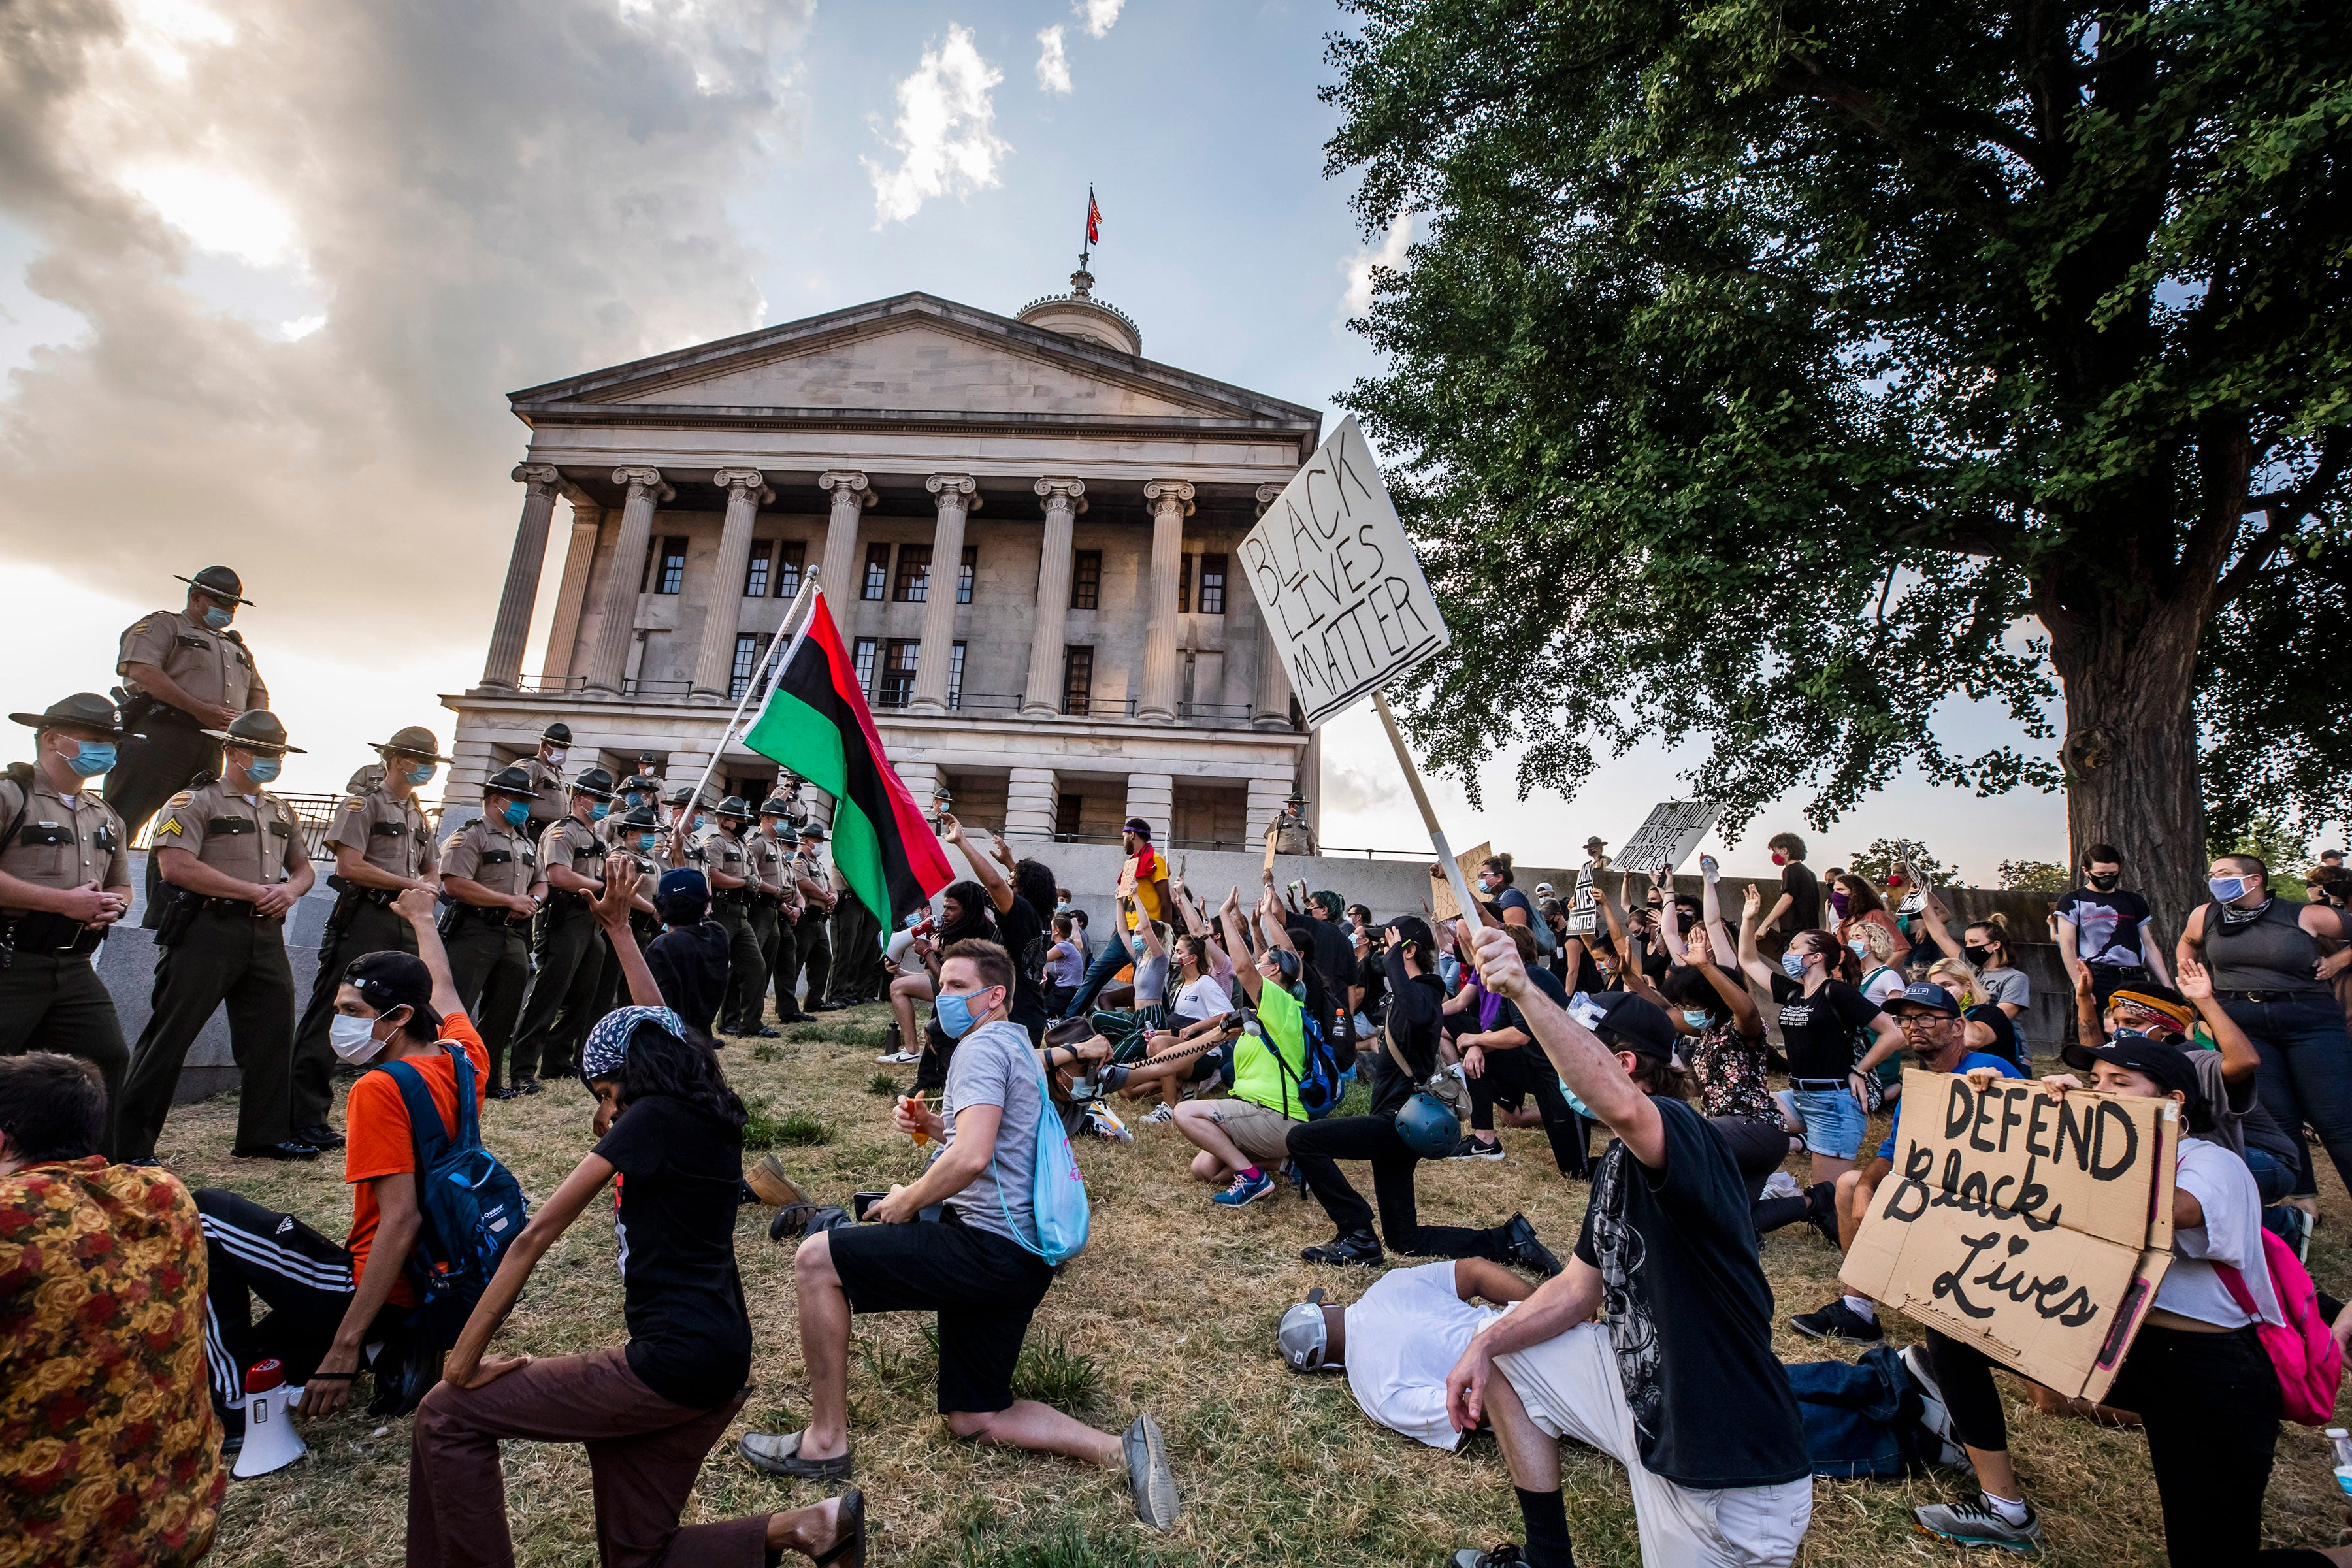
{"x":860,"y":1202}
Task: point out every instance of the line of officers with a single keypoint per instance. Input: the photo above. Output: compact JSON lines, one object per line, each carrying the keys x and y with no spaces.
{"x":194,"y":747}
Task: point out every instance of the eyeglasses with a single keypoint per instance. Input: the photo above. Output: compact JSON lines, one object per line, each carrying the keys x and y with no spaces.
{"x":1910,"y":1021}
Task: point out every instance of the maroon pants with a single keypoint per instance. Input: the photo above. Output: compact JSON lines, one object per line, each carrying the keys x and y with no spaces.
{"x":645,"y":1452}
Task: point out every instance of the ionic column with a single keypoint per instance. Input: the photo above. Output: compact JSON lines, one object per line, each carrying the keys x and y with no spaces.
{"x":1270,"y":702}
{"x":747,"y":492}
{"x":851,"y":495}
{"x":608,"y":661}
{"x":1064,"y":498}
{"x":504,"y":666}
{"x":572,"y":592}
{"x":957,"y":495}
{"x":1029,"y":803}
{"x":1171,"y":501}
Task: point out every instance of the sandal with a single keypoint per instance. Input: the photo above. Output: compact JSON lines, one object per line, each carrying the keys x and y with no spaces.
{"x":849,"y":1549}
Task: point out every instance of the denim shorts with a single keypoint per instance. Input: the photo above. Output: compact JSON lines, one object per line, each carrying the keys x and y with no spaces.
{"x":1833,"y":1123}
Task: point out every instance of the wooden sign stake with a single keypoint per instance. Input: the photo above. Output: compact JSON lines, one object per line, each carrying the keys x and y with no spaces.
{"x":1462,"y":895}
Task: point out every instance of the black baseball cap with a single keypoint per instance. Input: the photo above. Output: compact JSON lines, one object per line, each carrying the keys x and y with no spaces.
{"x":1414,"y":930}
{"x":2165,"y":1062}
{"x":1630,"y":1023}
{"x":389,"y":979}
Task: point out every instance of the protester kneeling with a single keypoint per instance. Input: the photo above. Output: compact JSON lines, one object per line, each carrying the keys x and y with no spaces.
{"x":973,"y":1265}
{"x":1679,"y":1384}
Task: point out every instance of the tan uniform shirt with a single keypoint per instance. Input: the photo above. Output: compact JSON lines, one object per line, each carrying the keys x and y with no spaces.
{"x":366,"y":779}
{"x":62,"y":845}
{"x":484,"y":851}
{"x":391,"y":835}
{"x":1291,"y":836}
{"x":552,"y":799}
{"x":767,"y":857}
{"x":573,"y":845}
{"x":717,"y":850}
{"x":210,"y":666}
{"x":252,"y":840}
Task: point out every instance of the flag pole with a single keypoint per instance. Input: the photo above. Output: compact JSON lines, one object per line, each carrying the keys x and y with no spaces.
{"x":802,"y":603}
{"x":1445,"y":861}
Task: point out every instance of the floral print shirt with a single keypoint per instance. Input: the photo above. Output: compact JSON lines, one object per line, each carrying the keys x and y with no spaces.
{"x":108,"y":1450}
{"x":1729,"y":1068}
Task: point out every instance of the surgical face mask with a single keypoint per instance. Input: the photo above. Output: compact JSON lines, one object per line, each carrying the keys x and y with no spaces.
{"x":261,"y":770}
{"x":353,"y":1039}
{"x":421,"y":774}
{"x":1793,"y":964}
{"x":696,"y":825}
{"x":2107,"y":884}
{"x":555,"y":755}
{"x":1140,"y":946}
{"x":956,"y":1015}
{"x":633,"y":798}
{"x":645,"y":841}
{"x":218,"y":616}
{"x":1861,"y":950}
{"x":2230,"y":889}
{"x":93,"y":758}
{"x":1696,"y":1017}
{"x":600,"y":810}
{"x":516,"y":814}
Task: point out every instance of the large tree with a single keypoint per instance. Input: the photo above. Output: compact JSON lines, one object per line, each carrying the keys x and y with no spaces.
{"x":1768,"y":373}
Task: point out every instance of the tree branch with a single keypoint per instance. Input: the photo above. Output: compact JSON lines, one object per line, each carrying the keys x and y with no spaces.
{"x":2284,"y":513}
{"x":1865,"y":110}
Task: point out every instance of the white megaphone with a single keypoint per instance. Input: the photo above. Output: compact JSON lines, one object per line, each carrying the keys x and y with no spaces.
{"x":270,"y":1441}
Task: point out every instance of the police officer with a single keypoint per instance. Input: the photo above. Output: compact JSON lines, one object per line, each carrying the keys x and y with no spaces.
{"x":682,"y":829}
{"x":183,"y":672}
{"x":780,"y":941}
{"x":640,"y":788}
{"x":231,"y":859}
{"x":1289,"y":832}
{"x":65,"y":876}
{"x":632,"y":831}
{"x":818,"y":939}
{"x":384,"y":846}
{"x":771,"y":914}
{"x":566,"y":945}
{"x":546,"y":774}
{"x":489,"y":868}
{"x":728,"y":864}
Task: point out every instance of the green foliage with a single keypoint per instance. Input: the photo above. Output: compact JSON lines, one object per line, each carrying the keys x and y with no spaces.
{"x":1069,"y":1548}
{"x":765,"y":1051}
{"x":1052,"y":1373}
{"x":2276,"y":743}
{"x":1878,"y":862}
{"x":2036,"y":877}
{"x":766,"y":1130}
{"x":2285,"y":851}
{"x":1762,"y":368}
{"x":883,"y":1084}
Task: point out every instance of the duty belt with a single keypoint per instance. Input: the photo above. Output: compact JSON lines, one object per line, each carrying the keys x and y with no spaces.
{"x":368,"y":895}
{"x":491,"y":914}
{"x":43,"y":932}
{"x":231,"y":906}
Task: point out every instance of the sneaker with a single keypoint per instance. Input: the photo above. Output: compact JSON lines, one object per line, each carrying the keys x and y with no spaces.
{"x":1974,"y":1523}
{"x":1838,"y":1321}
{"x":1820,"y":1209}
{"x":1149,"y":1474}
{"x":1362,"y":1247}
{"x":1160,"y":1115}
{"x":1507,"y":1555}
{"x":1781,"y":1184}
{"x":1934,"y":1415}
{"x":530,"y":1086}
{"x":899,"y":1058}
{"x":1472,"y":1148}
{"x":1526,"y":1249}
{"x":320,"y":1136}
{"x":286,"y":1151}
{"x":1245,"y":1190}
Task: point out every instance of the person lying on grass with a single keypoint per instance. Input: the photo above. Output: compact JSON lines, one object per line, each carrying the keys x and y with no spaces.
{"x":1399,"y":1342}
{"x":648,"y":1411}
{"x":973,"y":1266}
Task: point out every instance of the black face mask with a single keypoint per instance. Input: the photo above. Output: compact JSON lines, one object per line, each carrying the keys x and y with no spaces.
{"x":1979,"y":956}
{"x":2107,"y":884}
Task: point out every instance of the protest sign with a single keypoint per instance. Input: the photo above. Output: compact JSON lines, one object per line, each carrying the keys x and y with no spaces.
{"x":1443,"y":905}
{"x":1667,"y":837}
{"x":2033,"y":1227}
{"x":1338,"y":581}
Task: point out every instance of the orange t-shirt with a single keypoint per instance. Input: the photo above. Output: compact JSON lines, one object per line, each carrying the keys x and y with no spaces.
{"x":375,"y":1122}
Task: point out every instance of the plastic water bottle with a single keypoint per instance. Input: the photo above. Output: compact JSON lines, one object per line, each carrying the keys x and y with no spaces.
{"x":2341,"y":1441}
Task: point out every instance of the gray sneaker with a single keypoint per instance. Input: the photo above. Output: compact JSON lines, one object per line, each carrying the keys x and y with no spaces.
{"x":1147,"y":1475}
{"x":1974,"y":1523}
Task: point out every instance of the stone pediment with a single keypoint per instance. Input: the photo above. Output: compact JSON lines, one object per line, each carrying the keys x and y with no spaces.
{"x":910,"y":356}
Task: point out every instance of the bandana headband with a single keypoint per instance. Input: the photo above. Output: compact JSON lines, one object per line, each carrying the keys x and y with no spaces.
{"x":608,"y":1042}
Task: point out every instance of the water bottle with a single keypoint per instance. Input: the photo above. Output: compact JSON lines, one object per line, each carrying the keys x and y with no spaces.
{"x":2341,"y":1441}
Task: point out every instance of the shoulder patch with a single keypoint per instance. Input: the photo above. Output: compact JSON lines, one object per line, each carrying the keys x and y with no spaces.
{"x":179,"y":800}
{"x":354,"y":803}
{"x":141,"y":625}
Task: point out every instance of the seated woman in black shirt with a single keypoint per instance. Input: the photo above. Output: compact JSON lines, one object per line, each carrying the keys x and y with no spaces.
{"x":651,"y":1410}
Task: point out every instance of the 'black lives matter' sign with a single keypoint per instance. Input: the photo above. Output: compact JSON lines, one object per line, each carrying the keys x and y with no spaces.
{"x":1338,"y":581}
{"x":2034,"y":1227}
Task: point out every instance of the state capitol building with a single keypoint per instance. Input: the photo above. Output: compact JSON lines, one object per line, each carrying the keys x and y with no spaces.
{"x":1025,"y":531}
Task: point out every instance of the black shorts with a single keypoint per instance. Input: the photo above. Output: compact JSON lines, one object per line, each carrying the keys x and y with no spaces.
{"x":983,"y":1286}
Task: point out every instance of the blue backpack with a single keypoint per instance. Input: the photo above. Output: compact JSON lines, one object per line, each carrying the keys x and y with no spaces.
{"x":1058,"y":1192}
{"x":1320,"y":1082}
{"x":473,"y":1207}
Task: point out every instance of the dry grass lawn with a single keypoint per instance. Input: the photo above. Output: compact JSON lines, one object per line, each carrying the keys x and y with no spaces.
{"x":1171,"y":1309}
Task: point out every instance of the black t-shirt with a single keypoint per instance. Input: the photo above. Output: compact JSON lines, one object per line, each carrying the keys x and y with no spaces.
{"x":1510,"y":1017}
{"x":1415,"y":1003}
{"x":2106,"y":926}
{"x":1334,"y":960}
{"x":1512,"y":899}
{"x":1026,"y":940}
{"x":1690,"y":1316}
{"x":1587,"y":977}
{"x":689,"y":965}
{"x":689,"y":1337}
{"x":1818,"y":1031}
{"x":1804,"y":890}
{"x":1372,"y":974}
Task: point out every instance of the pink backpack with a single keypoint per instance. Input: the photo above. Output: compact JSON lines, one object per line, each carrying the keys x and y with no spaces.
{"x":2302,"y":1351}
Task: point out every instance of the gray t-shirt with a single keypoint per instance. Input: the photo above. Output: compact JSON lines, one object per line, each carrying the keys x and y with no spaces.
{"x":995,"y":1065}
{"x":2009,"y":985}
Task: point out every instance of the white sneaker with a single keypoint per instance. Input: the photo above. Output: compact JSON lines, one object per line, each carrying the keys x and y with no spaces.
{"x":1781,"y":1184}
{"x":1160,"y":1116}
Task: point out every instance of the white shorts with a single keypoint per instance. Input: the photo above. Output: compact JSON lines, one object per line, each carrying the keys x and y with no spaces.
{"x":1570,"y":1387}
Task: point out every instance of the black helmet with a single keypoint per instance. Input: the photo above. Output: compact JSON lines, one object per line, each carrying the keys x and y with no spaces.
{"x":256,"y":729}
{"x":1428,"y":1126}
{"x":593,"y":781}
{"x":510,"y":780}
{"x":219,"y":582}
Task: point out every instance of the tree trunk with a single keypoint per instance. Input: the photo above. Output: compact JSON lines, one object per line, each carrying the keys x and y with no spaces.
{"x":2131,"y":752}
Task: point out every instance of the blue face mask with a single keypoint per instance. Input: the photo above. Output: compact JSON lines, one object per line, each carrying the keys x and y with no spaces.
{"x":1140,"y":945}
{"x":261,"y":770}
{"x":218,"y":618}
{"x":1696,"y":1018}
{"x":955,"y":1013}
{"x":94,"y":758}
{"x":516,"y":814}
{"x":1793,"y":964}
{"x":645,"y":841}
{"x":600,"y":810}
{"x":1861,"y":950}
{"x":421,"y":774}
{"x":696,"y":825}
{"x":2228,"y":889}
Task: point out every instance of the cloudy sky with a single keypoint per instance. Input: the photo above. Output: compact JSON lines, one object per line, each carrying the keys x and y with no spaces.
{"x":268,"y":269}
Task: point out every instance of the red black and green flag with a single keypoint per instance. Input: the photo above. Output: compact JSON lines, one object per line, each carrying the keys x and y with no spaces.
{"x":816,"y":722}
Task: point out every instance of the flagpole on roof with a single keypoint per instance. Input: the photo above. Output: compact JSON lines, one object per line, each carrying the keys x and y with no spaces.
{"x":1085,"y":229}
{"x":785,"y":634}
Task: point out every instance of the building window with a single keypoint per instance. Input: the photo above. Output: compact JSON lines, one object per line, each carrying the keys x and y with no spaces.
{"x":913,"y":583}
{"x":1086,"y":579}
{"x":1077,"y":680}
{"x":666,"y":567}
{"x":966,"y":573}
{"x":898,"y":673}
{"x":755,"y":576}
{"x":792,"y":561}
{"x":955,"y":677}
{"x":1213,"y":585}
{"x":1068,"y":810}
{"x":1184,"y":584}
{"x":863,"y":658}
{"x":749,"y":648}
{"x":878,"y":571}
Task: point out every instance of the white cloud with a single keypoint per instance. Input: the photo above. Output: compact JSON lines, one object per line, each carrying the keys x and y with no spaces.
{"x":1053,"y":61}
{"x":300,"y":327}
{"x":1391,"y":255}
{"x":1098,"y":15}
{"x":947,"y":142}
{"x":220,"y":211}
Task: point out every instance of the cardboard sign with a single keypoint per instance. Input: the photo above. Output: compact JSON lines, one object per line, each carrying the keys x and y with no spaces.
{"x":1442,"y":905}
{"x":1667,"y":837}
{"x":2034,"y":1228}
{"x":1338,"y":581}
